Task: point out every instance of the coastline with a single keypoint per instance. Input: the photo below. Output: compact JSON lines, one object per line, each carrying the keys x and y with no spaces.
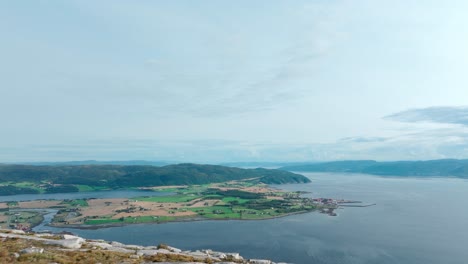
{"x":230,"y":201}
{"x":181,"y":220}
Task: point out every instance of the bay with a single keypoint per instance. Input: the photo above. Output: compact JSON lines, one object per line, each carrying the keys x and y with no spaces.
{"x":415,"y":220}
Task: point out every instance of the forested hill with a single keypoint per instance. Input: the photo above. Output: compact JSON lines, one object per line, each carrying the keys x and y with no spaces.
{"x":66,"y":178}
{"x":431,"y":168}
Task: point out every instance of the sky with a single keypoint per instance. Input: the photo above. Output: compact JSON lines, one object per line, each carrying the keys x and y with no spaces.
{"x":227,"y":81}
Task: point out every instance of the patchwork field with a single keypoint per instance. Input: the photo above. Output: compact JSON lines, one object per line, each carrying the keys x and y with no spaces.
{"x":240,"y":200}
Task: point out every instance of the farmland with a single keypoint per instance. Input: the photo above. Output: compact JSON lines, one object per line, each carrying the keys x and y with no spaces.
{"x":233,"y":200}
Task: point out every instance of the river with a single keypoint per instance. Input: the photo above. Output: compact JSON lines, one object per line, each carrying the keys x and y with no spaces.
{"x":416,"y":220}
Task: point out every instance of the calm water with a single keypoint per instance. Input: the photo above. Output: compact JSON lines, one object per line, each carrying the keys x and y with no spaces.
{"x":417,"y":221}
{"x":82,"y":195}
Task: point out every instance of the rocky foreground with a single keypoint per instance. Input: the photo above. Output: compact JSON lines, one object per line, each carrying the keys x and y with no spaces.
{"x":20,"y":247}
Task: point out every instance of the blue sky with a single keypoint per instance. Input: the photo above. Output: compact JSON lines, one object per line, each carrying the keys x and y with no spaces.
{"x":216,"y":81}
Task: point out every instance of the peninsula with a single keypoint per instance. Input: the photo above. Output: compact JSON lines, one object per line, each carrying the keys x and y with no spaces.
{"x":233,"y":200}
{"x":184,"y":192}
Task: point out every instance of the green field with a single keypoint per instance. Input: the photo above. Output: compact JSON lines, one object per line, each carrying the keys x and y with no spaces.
{"x":228,"y":212}
{"x":102,"y":221}
{"x":216,"y":212}
{"x":131,"y":220}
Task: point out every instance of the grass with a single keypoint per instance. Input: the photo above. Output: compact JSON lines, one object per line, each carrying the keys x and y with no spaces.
{"x":259,"y":214}
{"x":236,"y":212}
{"x":216,"y":212}
{"x":53,"y":254}
{"x":102,"y":221}
{"x":131,"y":220}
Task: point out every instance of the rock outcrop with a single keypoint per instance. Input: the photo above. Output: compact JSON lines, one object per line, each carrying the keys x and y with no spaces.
{"x":56,"y":244}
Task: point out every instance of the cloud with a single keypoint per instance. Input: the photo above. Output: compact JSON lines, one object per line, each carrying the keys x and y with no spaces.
{"x":362,"y":139}
{"x":205,"y":66}
{"x":441,"y":114}
{"x":429,"y":144}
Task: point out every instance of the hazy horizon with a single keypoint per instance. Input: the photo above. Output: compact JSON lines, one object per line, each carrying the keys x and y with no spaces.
{"x":245,"y":81}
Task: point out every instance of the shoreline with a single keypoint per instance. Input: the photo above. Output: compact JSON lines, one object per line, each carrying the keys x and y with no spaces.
{"x":194,"y":219}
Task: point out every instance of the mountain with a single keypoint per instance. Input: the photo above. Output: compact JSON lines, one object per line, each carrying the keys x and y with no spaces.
{"x":265,"y":164}
{"x":98,"y":162}
{"x":119,"y":176}
{"x":334,"y":166}
{"x":442,"y":167}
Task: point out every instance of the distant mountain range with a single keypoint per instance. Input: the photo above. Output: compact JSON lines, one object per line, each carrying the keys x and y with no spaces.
{"x":430,"y":168}
{"x":248,"y":164}
{"x":265,"y":164}
{"x":98,"y":162}
{"x":442,"y":167}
